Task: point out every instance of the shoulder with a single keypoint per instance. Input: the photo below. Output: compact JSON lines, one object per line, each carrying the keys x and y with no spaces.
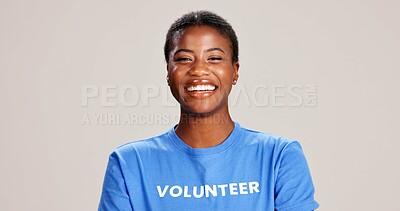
{"x":267,"y":140}
{"x":143,"y":147}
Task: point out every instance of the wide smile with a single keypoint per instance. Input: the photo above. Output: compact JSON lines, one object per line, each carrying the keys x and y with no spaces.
{"x":200,"y":89}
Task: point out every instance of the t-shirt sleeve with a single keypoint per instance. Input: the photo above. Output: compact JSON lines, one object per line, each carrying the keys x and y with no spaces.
{"x":114,"y":196}
{"x":294,"y":189}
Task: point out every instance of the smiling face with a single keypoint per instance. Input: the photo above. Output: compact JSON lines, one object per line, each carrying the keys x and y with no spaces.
{"x":201,"y":71}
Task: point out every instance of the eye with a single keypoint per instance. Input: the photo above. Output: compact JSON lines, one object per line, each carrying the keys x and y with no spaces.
{"x":183,"y":59}
{"x":215,"y":59}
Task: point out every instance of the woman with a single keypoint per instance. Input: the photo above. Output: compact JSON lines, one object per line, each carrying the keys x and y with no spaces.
{"x":207,"y":161}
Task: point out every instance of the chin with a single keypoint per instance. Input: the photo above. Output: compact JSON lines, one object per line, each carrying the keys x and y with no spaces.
{"x":199,"y":111}
{"x":203,"y":109}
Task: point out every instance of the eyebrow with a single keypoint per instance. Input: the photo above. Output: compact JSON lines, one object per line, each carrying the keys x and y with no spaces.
{"x":190,"y":51}
{"x":183,"y":50}
{"x":215,"y":49}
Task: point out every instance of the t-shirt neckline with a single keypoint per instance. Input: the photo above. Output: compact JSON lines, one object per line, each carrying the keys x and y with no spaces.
{"x":181,"y":145}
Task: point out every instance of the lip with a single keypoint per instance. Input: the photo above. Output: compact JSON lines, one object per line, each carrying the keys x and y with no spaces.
{"x":200,"y":94}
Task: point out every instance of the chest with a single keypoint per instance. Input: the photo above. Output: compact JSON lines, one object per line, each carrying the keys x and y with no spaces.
{"x":239,"y":181}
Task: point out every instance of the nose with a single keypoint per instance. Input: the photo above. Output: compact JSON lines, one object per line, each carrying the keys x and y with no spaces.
{"x":199,"y":68}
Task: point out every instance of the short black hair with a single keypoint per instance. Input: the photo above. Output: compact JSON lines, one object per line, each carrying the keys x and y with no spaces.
{"x":202,"y":18}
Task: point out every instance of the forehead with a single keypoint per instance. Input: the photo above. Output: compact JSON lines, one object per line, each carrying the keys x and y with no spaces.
{"x":196,"y":36}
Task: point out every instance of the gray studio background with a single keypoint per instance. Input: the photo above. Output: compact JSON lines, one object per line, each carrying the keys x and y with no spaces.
{"x":54,"y":55}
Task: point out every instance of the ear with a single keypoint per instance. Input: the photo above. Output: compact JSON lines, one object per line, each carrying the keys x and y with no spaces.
{"x":236,"y":66}
{"x":167,"y":77}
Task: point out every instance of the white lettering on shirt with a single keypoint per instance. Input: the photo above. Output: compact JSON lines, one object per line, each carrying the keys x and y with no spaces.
{"x":253,"y":187}
{"x":212,"y":190}
{"x":233,"y":188}
{"x":186,"y":191}
{"x":222,"y":187}
{"x":243,"y":188}
{"x":177,"y":194}
{"x":163,"y":192}
{"x":195,"y":192}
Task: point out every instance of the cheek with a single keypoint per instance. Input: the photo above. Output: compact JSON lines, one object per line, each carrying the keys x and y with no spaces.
{"x":175,"y":77}
{"x":175,"y":80}
{"x":172,"y":74}
{"x":225,"y":75}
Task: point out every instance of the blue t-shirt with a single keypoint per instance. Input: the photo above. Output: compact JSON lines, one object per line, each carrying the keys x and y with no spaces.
{"x":248,"y":171}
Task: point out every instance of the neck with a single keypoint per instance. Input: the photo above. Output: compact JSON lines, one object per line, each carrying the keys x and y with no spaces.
{"x":204,"y":131}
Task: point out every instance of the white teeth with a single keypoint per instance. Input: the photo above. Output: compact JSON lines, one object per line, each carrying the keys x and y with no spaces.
{"x":201,"y":88}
